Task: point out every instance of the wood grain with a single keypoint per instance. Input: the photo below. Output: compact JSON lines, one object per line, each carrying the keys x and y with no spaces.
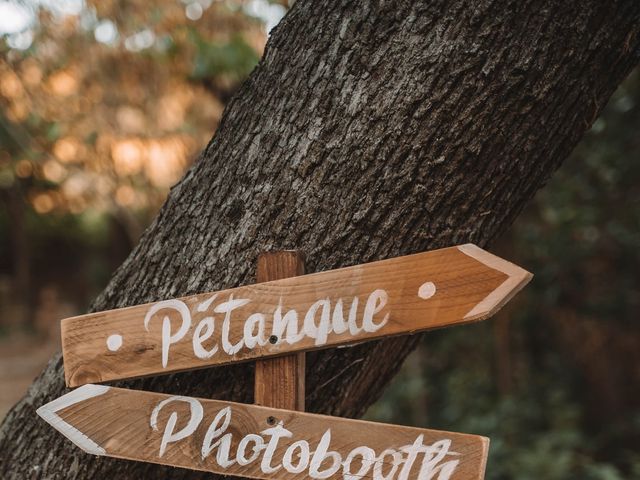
{"x":398,"y":296}
{"x":207,"y":435}
{"x":279,"y":381}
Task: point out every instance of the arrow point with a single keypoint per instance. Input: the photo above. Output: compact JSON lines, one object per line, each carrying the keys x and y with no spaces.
{"x":49,"y":413}
{"x":517,"y":278}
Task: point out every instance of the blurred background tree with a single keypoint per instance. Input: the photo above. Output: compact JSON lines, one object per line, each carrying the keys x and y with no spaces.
{"x":104,"y":104}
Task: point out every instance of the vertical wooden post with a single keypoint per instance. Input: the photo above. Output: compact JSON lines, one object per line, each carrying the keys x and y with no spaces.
{"x":279,"y":382}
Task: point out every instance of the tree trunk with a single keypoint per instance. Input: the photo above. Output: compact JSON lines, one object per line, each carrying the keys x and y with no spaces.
{"x":368,"y":130}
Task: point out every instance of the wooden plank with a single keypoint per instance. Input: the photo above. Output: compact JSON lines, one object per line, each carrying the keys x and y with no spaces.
{"x":392,"y":297}
{"x":257,"y":442}
{"x":279,"y":381}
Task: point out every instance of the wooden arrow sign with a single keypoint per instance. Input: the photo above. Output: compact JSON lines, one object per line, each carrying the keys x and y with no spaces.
{"x":257,"y":442}
{"x":391,"y":297}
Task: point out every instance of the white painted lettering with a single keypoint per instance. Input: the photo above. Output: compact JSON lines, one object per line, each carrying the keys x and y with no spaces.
{"x":257,"y":448}
{"x":169,"y":436}
{"x":205,"y":324}
{"x":204,"y":306}
{"x":276,"y":433}
{"x":319,"y":332}
{"x":376,"y":302}
{"x":304,"y":455}
{"x":252,"y":339}
{"x":368,"y":458}
{"x":298,"y":457}
{"x":320,"y":320}
{"x":227,"y":308}
{"x":380,"y":462}
{"x":167,"y":338}
{"x":431,"y":466}
{"x":224,"y":444}
{"x":288,"y":323}
{"x":412,"y":452}
{"x":339,"y":326}
{"x":320,"y":455}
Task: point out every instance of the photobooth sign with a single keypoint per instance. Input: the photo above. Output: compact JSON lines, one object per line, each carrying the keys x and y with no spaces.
{"x":340,"y":307}
{"x":256,"y":442}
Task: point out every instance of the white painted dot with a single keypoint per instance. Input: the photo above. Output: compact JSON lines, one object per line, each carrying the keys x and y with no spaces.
{"x":114,"y":342}
{"x":427,"y":290}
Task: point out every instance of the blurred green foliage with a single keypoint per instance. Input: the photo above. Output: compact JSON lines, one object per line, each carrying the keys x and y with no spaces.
{"x":235,"y":58}
{"x":554,"y":379}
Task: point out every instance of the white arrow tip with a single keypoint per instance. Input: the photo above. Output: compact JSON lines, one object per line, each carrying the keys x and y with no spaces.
{"x":517,"y":278}
{"x":49,"y":414}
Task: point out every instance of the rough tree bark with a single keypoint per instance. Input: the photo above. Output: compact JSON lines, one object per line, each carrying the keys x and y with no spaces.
{"x":368,"y":130}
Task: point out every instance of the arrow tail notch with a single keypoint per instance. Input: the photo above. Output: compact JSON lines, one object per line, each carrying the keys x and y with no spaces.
{"x":49,"y":413}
